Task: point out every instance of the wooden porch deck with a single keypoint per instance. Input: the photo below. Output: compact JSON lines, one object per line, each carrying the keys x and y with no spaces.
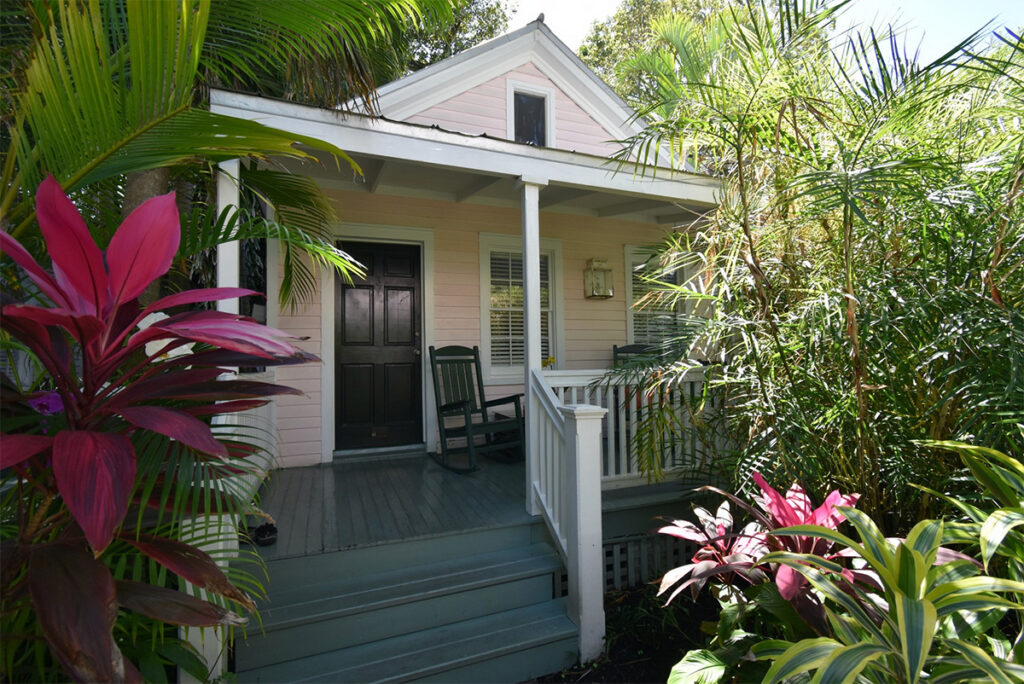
{"x":319,"y":509}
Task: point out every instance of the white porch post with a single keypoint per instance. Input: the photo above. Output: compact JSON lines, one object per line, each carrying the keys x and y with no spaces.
{"x":218,"y":531}
{"x":229,"y":253}
{"x":530,"y":188}
{"x":583,"y":533}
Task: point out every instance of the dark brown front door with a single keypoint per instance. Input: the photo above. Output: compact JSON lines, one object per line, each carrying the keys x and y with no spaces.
{"x":378,"y":358}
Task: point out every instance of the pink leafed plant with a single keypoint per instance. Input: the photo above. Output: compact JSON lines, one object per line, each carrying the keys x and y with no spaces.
{"x":725,"y":556}
{"x":795,"y":509}
{"x":76,"y":464}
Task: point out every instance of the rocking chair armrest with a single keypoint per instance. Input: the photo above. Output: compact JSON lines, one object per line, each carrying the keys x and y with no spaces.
{"x":510,"y":399}
{"x":460,"y":406}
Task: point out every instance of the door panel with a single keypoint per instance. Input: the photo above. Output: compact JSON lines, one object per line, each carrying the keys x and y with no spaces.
{"x":379,"y":370}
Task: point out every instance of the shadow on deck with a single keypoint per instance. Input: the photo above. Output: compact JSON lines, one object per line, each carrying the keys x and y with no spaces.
{"x":344,"y":505}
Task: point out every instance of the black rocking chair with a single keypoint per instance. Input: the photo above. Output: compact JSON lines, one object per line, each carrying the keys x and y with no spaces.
{"x":462,"y":412}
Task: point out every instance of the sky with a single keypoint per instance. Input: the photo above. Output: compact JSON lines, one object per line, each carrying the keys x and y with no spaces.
{"x":934,"y":25}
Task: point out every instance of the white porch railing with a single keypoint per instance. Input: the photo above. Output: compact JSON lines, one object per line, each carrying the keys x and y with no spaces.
{"x":566,"y":486}
{"x":626,"y":409}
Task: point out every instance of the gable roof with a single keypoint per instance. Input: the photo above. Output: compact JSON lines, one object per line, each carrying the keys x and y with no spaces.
{"x":534,"y":43}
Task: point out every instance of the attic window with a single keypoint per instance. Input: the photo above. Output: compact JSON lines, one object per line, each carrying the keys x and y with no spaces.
{"x":530,"y":120}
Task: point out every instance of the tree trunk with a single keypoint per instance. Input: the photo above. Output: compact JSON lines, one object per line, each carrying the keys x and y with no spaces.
{"x":139,"y":187}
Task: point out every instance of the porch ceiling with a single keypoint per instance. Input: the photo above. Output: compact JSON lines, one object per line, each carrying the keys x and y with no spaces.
{"x":410,"y":179}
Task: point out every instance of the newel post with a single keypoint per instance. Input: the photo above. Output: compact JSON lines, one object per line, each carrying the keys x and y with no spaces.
{"x":585,"y":543}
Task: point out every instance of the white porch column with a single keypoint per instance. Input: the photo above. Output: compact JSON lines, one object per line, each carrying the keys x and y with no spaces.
{"x":583,"y":532}
{"x":229,"y":253}
{"x":530,"y":188}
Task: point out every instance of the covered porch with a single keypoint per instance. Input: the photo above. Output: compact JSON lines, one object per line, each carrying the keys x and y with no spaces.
{"x":408,"y":496}
{"x":459,"y":200}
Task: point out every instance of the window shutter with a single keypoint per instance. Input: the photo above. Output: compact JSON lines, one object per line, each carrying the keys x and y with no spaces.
{"x":506,"y":308}
{"x":653,"y":321}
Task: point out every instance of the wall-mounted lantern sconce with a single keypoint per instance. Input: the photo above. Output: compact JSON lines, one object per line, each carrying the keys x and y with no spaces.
{"x":597,"y":280}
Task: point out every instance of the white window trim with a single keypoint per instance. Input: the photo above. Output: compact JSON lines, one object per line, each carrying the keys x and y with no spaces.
{"x":499,"y":242}
{"x":511,"y":88}
{"x":633,"y":256}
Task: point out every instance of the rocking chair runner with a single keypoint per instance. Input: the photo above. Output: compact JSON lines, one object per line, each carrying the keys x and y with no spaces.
{"x":462,"y":411}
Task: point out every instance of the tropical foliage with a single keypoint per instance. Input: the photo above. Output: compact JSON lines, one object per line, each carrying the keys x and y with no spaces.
{"x":470,"y":23}
{"x":859,"y":289}
{"x":901,"y":625}
{"x":110,"y":449}
{"x":879,"y":609}
{"x":103,"y":93}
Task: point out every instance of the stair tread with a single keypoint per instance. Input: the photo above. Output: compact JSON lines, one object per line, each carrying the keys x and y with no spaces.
{"x":430,"y":651}
{"x":354,"y":594}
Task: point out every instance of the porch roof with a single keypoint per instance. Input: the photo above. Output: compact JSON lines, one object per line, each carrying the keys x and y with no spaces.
{"x":404,"y":158}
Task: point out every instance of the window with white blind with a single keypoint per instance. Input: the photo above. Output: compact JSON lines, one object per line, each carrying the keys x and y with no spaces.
{"x":502,"y":313}
{"x":650,"y":321}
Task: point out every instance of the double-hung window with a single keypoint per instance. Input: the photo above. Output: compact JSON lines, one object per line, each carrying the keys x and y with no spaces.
{"x":503,"y":322}
{"x":651,"y":319}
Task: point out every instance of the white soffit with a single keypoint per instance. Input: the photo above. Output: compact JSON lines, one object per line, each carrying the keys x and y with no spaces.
{"x":534,"y":43}
{"x":435,"y":147}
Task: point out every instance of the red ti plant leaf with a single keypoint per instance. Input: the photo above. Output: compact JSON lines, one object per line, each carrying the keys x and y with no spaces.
{"x":143,"y":247}
{"x":85,"y":328}
{"x":77,"y":261}
{"x":17,"y":448}
{"x":73,"y":596}
{"x":47,"y":285}
{"x":223,"y":407}
{"x":210,"y":294}
{"x":95,"y":472}
{"x":176,"y":425}
{"x":194,"y":565}
{"x":175,"y":607}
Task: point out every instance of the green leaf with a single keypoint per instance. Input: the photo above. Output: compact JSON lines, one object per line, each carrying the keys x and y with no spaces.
{"x":845,"y":664}
{"x":973,"y":585}
{"x":925,"y":538}
{"x":876,"y":549}
{"x":995,"y":529}
{"x":698,"y":667}
{"x":802,"y":563}
{"x":911,"y":571}
{"x":770,"y":648}
{"x":981,"y":660}
{"x":800,"y":657}
{"x":974,"y":603}
{"x":916,"y":621}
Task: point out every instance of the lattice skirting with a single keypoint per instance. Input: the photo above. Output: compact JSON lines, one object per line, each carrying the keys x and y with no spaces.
{"x":638,"y":559}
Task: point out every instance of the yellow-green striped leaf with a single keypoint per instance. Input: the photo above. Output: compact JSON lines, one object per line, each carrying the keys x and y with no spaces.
{"x":916,"y":620}
{"x":996,"y":527}
{"x":802,"y":656}
{"x":844,"y":664}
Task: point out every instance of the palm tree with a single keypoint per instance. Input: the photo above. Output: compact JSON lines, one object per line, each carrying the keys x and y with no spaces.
{"x":107,"y":96}
{"x":865,"y":263}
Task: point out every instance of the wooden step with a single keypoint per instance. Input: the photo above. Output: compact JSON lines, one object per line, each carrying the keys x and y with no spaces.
{"x":509,"y":646}
{"x":326,"y":616}
{"x":325,"y":567}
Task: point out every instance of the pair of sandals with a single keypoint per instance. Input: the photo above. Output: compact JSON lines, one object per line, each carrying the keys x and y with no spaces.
{"x":261,"y":535}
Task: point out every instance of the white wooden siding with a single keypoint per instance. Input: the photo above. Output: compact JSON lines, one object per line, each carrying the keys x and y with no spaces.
{"x":299,"y":417}
{"x":482,"y":110}
{"x":592,"y":326}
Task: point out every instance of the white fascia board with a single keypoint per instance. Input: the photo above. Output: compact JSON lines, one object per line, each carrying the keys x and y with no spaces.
{"x":606,"y":110}
{"x":412,"y":95}
{"x":407,"y":97}
{"x":435,"y":147}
